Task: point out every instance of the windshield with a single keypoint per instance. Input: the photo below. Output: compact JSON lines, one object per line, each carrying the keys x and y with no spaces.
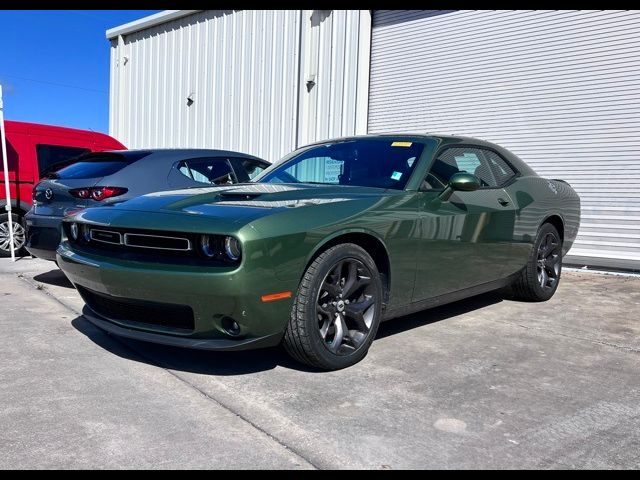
{"x":379,"y":162}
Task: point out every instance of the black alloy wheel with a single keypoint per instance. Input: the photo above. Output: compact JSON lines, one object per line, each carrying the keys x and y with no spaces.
{"x":346,"y":306}
{"x":539,"y":279}
{"x":336,"y":310}
{"x":549,"y":258}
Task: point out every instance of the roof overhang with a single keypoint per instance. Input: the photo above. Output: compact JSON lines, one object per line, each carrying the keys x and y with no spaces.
{"x":148,"y":22}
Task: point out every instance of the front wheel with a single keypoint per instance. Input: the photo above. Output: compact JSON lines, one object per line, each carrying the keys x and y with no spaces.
{"x":539,"y":280}
{"x":18,"y":235}
{"x":337,"y":309}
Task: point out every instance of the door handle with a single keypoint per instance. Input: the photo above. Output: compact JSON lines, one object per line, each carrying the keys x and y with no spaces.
{"x":503,"y":202}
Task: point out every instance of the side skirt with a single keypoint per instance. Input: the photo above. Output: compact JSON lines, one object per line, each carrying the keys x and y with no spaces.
{"x":449,"y":297}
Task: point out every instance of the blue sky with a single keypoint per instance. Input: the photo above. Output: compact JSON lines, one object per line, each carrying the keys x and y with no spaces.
{"x":54,"y":65}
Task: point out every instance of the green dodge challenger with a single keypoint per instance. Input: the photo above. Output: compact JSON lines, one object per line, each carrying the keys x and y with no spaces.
{"x":327,"y":243}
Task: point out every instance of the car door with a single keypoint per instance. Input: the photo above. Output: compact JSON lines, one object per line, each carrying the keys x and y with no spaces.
{"x":465,"y":239}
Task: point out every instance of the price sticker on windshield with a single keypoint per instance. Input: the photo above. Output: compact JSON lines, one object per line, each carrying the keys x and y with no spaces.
{"x":401,"y":144}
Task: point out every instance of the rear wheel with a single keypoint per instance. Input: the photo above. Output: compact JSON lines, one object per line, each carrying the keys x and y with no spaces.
{"x":19,"y":236}
{"x":337,"y":309}
{"x":539,"y":279}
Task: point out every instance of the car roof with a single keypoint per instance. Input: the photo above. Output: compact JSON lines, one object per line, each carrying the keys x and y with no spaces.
{"x":176,"y":154}
{"x":442,"y":138}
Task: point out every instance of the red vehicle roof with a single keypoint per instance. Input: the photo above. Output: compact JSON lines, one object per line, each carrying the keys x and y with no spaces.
{"x":42,"y":129}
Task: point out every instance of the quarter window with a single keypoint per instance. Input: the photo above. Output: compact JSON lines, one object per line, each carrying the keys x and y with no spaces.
{"x":501,"y":169}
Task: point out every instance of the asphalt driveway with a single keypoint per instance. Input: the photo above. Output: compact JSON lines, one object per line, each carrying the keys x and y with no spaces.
{"x":482,"y":383}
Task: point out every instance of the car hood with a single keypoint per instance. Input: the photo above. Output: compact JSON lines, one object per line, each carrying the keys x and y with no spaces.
{"x":231,"y":206}
{"x":240,"y":201}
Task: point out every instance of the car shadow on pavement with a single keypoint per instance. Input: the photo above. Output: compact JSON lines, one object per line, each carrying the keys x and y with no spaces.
{"x":436,"y":314}
{"x":250,"y":361}
{"x":54,"y":277}
{"x":188,"y":360}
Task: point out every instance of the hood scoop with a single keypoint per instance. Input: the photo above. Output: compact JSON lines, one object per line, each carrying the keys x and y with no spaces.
{"x":237,"y":196}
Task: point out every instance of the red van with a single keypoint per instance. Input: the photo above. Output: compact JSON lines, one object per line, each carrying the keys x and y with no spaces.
{"x":33,"y":150}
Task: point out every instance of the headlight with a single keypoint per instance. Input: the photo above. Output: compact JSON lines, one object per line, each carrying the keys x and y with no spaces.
{"x":232,"y":248}
{"x":205,"y":246}
{"x":219,"y":247}
{"x":85,"y":232}
{"x":74,"y":231}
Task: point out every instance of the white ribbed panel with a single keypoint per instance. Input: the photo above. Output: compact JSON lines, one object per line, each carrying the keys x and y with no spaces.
{"x":240,"y":66}
{"x":245,"y":71}
{"x":561,"y":89}
{"x":331,"y":49}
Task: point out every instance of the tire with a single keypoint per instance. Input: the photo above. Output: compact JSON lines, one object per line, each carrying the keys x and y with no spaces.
{"x":5,"y":246}
{"x":539,"y":280}
{"x":315,"y":335}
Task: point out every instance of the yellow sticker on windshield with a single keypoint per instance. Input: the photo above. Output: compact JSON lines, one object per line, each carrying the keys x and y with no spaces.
{"x":401,"y":144}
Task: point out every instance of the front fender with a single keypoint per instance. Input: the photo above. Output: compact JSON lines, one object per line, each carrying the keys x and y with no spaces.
{"x":340,"y":233}
{"x":289,"y":254}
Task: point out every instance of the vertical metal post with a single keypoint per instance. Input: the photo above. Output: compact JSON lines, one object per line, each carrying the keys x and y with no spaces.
{"x":364,"y":70}
{"x":5,"y":165}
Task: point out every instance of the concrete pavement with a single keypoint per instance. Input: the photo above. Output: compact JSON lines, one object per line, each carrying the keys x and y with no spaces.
{"x":482,"y":383}
{"x":71,"y":403}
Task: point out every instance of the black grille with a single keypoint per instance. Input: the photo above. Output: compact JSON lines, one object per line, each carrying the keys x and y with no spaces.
{"x":106,"y":236}
{"x":131,"y":310}
{"x":153,"y":246}
{"x":141,"y":240}
{"x":156,"y":241}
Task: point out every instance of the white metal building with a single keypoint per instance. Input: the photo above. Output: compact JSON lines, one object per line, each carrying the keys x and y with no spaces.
{"x":560,"y":89}
{"x":261,"y":81}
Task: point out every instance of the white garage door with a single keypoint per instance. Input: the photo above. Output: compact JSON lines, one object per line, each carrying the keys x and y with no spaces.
{"x":561,"y":89}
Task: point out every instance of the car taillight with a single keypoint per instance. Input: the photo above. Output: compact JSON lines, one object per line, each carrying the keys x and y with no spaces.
{"x":101,"y":193}
{"x":98,"y":193}
{"x":80,"y":192}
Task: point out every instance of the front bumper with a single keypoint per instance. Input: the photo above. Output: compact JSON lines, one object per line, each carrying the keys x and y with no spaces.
{"x":43,"y":235}
{"x":213,"y":294}
{"x":221,"y":344}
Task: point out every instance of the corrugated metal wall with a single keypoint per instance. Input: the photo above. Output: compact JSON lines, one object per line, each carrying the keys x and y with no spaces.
{"x":330,"y":57}
{"x":246,"y":73}
{"x":561,"y":89}
{"x":240,"y":68}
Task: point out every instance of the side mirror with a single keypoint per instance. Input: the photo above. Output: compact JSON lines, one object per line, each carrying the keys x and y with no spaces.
{"x":462,"y":182}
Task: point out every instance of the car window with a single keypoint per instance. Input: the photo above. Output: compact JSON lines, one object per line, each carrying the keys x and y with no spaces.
{"x":252,"y":168}
{"x":52,"y":157}
{"x":215,"y":171}
{"x":377,"y":162}
{"x":460,"y":159}
{"x":247,"y":169}
{"x":99,"y":165}
{"x":501,"y":169}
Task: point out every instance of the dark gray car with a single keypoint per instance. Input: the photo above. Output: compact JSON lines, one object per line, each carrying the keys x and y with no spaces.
{"x":105,"y":178}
